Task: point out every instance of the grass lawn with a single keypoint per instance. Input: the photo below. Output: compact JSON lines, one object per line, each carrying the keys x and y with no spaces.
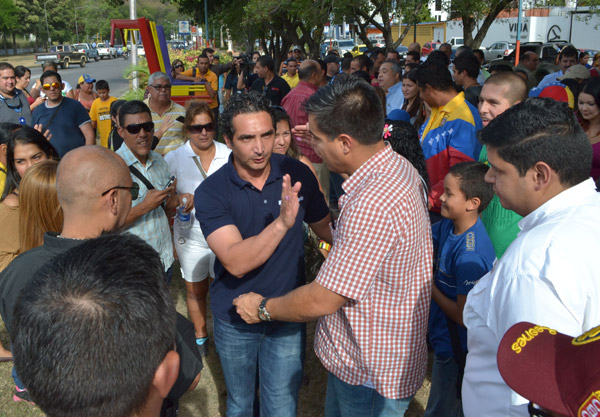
{"x":208,"y":399}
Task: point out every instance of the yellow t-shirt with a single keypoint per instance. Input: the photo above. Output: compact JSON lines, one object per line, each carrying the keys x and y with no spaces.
{"x":100,"y":113}
{"x":2,"y":177}
{"x":212,"y":78}
{"x":292,"y":81}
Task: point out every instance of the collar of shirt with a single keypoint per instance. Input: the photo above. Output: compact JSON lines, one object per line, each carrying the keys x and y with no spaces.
{"x":130,"y":158}
{"x":17,"y":92}
{"x":274,"y":174}
{"x":366,"y":170}
{"x":220,"y":151}
{"x":307,"y":85}
{"x":147,"y":101}
{"x":439,"y":112}
{"x":569,"y":198}
{"x":395,"y":87}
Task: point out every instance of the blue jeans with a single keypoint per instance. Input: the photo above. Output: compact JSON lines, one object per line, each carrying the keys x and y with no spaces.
{"x":276,"y":350}
{"x":442,"y":396}
{"x":345,"y":400}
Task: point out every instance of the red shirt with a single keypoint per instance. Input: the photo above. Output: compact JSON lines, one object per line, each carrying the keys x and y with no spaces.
{"x":293,"y":105}
{"x":381,"y":260}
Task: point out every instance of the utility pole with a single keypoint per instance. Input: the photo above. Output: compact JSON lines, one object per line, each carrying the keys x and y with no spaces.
{"x":49,"y":41}
{"x":135,"y":82}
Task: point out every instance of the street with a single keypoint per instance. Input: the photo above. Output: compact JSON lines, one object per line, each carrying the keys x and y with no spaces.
{"x":110,"y":70}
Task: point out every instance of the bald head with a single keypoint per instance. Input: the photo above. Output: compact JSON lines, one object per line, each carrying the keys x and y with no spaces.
{"x":415,"y":46}
{"x":85,"y":173}
{"x":309,"y":71}
{"x":515,"y":88}
{"x":530,"y":60}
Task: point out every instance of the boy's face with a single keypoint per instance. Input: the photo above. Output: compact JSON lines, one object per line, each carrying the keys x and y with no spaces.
{"x":454,"y":203}
{"x":103,"y":94}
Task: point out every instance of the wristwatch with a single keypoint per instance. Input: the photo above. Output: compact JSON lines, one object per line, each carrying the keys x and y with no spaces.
{"x":263,"y":314}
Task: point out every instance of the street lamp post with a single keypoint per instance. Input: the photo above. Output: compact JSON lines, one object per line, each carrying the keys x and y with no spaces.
{"x":76,"y":29}
{"x":47,"y":30}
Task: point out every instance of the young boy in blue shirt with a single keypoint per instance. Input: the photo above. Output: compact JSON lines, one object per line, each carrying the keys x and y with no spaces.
{"x":464,"y":253}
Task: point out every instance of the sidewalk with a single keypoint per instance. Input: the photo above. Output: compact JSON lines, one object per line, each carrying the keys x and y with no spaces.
{"x":27,"y":60}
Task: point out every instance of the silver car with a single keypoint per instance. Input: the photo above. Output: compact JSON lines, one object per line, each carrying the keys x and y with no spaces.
{"x":497,"y":50}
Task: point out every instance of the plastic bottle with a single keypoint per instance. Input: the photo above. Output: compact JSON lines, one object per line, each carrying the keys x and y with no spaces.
{"x":185,"y":219}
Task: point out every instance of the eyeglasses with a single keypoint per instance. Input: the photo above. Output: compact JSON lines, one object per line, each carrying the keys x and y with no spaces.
{"x":135,"y":128}
{"x":53,"y":85}
{"x":134,"y":190}
{"x":176,"y":66}
{"x":161,"y":86}
{"x":537,"y":412}
{"x":210,"y":127}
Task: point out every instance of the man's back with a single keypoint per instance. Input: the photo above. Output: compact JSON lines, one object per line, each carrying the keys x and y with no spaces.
{"x":275,"y":91}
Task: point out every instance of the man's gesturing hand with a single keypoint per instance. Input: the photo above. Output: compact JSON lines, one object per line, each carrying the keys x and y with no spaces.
{"x":289,"y":201}
{"x":247,"y":306}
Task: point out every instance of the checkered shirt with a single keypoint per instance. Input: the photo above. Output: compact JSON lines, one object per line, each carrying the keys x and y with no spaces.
{"x":152,"y":227}
{"x":381,"y":260}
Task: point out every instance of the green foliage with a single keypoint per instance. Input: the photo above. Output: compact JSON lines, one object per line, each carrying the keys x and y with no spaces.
{"x":9,"y":16}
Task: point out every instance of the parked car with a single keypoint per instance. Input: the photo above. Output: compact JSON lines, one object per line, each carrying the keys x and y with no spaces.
{"x":402,"y":51}
{"x":497,"y":50}
{"x":547,"y":53}
{"x":428,"y":47}
{"x":106,"y":51}
{"x":456,"y":41}
{"x":90,"y":52}
{"x":340,"y":45}
{"x":359,"y":50}
{"x":63,"y":55}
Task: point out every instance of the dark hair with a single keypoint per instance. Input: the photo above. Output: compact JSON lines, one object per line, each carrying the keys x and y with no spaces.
{"x":417,"y":109}
{"x":435,"y":75}
{"x":291,"y":59}
{"x":193,"y":109}
{"x":252,"y":102}
{"x":49,"y":64}
{"x":279,"y":114}
{"x":5,"y":66}
{"x":351,"y":107}
{"x":471,"y":176}
{"x":361,"y":75}
{"x":479,"y":53}
{"x":414,"y":54}
{"x":541,"y":130}
{"x":500,"y":68}
{"x":396,"y":53}
{"x":48,"y":74}
{"x":590,"y":86}
{"x":438,"y":57}
{"x":23,"y":135}
{"x":6,"y":129}
{"x":21,"y":70}
{"x":410,"y":66}
{"x":98,"y":318}
{"x":404,"y":140}
{"x":132,"y":107}
{"x":363,"y":61}
{"x":346,"y":61}
{"x":467,"y":61}
{"x":375,"y":52}
{"x":208,"y":51}
{"x":307,"y":71}
{"x":266,"y":61}
{"x":102,"y":85}
{"x":461,"y":49}
{"x":568,"y":51}
{"x":202,"y":55}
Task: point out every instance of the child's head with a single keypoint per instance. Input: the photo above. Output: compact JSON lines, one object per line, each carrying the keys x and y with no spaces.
{"x":102,"y":89}
{"x":465,"y":190}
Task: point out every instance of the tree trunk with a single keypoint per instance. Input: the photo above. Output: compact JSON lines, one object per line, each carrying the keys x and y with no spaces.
{"x":5,"y":43}
{"x":14,"y":41}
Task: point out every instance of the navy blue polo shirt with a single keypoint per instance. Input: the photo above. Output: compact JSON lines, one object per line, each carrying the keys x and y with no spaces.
{"x":225,"y":199}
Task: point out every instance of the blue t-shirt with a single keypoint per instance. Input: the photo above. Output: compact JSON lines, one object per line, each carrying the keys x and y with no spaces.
{"x":462,"y":260}
{"x":65,"y":127}
{"x":225,"y":199}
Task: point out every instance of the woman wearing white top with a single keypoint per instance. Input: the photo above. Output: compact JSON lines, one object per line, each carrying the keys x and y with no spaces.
{"x":191,"y":163}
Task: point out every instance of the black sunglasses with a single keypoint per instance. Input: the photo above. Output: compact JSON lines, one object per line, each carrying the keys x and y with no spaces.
{"x":135,"y":128}
{"x":178,"y":66}
{"x":134,"y":190}
{"x":210,"y":127}
{"x":536,"y":412}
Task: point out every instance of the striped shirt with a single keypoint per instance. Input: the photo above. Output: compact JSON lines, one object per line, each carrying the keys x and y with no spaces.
{"x":172,"y":138}
{"x":152,"y":227}
{"x":381,"y":260}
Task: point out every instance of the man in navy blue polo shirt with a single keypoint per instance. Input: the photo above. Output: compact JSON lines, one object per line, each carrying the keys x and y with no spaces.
{"x":251,"y":216}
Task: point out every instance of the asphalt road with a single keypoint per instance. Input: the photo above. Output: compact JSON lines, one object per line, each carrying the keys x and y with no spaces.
{"x":110,"y":70}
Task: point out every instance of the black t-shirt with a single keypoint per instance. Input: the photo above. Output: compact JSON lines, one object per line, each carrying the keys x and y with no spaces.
{"x":275,"y":91}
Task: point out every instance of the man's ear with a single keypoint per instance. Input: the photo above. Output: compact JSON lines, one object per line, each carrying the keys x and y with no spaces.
{"x":345,"y":142}
{"x":228,"y":142}
{"x":542,"y":174}
{"x":166,"y":373}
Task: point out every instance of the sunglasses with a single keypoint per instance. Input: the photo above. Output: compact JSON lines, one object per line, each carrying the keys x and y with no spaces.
{"x":178,"y":66}
{"x":135,"y":128}
{"x":161,"y":87}
{"x":210,"y":127}
{"x":134,"y":190}
{"x":53,"y":85}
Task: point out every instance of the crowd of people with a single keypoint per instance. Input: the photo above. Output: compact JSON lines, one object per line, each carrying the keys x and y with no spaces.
{"x":454,"y":209}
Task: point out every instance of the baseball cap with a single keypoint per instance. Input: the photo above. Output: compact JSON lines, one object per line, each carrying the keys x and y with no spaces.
{"x":576,"y":72}
{"x":86,"y":78}
{"x":555,"y":371}
{"x":296,"y":48}
{"x":332,"y":58}
{"x":398,"y":115}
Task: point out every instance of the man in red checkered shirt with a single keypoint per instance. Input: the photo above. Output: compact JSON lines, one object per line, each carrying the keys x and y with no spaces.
{"x":373,"y":292}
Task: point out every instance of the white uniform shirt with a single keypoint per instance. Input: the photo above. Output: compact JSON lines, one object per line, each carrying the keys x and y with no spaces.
{"x":181,"y":164}
{"x":548,"y":276}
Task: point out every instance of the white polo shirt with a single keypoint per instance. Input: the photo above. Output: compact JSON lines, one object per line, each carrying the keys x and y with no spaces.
{"x":181,"y":164}
{"x":549,"y":276}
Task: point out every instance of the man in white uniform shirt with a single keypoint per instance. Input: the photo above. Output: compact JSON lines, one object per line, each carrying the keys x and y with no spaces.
{"x":540,"y":161}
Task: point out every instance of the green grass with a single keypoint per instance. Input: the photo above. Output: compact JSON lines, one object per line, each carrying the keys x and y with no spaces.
{"x":209,"y":398}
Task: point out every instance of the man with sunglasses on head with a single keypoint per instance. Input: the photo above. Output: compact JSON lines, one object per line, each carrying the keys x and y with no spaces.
{"x":165,"y":113}
{"x":147,"y":218}
{"x":14,"y":107}
{"x":66,"y":119}
{"x":95,"y":192}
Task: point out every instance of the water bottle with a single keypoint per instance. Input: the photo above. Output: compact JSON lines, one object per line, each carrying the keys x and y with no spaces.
{"x":185,"y":219}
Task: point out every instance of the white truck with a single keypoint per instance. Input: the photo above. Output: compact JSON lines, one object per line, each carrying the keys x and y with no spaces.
{"x":106,"y":51}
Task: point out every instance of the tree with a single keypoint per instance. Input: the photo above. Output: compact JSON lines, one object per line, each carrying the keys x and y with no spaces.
{"x":8,"y":19}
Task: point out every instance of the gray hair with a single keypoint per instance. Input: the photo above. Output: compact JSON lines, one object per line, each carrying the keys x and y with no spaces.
{"x":157,"y":76}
